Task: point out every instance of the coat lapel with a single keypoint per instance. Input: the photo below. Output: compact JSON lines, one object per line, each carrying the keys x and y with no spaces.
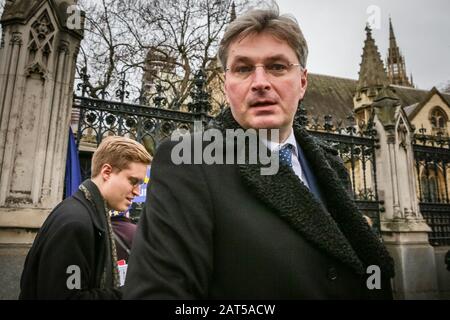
{"x":334,"y":182}
{"x":293,"y":202}
{"x":333,"y":230}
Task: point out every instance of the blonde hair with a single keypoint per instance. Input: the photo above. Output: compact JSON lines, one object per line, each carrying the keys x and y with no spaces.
{"x":284,"y":27}
{"x":118,"y":152}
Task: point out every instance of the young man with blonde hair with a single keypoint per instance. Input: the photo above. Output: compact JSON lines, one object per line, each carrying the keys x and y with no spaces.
{"x":74,"y":254}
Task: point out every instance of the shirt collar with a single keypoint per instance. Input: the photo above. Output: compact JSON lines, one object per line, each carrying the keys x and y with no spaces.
{"x":272,"y":146}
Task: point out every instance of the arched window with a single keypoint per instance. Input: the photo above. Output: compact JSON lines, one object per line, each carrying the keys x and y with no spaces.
{"x":438,"y":118}
{"x":429,"y":189}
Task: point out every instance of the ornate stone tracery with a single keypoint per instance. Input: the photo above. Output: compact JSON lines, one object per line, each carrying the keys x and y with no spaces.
{"x":40,"y":46}
{"x":16,"y":38}
{"x":402,"y":133}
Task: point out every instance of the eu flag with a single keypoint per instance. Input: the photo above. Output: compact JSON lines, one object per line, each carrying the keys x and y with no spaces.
{"x":73,"y":173}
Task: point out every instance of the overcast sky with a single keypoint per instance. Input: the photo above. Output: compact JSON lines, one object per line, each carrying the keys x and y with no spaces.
{"x":335,"y":33}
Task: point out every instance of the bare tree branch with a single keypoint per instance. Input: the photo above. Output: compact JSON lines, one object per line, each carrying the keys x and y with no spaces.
{"x":156,"y":43}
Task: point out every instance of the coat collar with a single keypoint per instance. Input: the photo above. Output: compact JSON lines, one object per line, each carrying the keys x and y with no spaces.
{"x":339,"y":229}
{"x":97,"y":212}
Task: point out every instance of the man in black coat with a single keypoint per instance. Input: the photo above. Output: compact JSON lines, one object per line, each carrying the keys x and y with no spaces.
{"x":74,"y":255}
{"x":228,"y":231}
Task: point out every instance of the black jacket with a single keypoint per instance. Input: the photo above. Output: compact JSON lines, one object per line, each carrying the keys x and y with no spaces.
{"x":227,"y":232}
{"x":74,"y":234}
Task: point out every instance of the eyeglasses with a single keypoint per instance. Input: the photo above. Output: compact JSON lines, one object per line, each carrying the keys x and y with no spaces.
{"x":242,"y":71}
{"x":135,"y":182}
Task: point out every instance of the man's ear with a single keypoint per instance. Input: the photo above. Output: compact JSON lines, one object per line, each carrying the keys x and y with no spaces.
{"x":106,"y":171}
{"x":304,"y":79}
{"x":303,"y":83}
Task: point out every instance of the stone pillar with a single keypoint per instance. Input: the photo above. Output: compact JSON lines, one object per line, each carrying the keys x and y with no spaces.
{"x":38,"y":53}
{"x":404,"y":230}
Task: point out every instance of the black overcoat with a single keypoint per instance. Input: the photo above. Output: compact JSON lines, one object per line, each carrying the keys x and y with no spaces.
{"x":228,"y":232}
{"x":74,"y":234}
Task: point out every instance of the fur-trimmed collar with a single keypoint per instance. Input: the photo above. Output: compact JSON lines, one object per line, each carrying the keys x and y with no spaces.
{"x":339,"y":229}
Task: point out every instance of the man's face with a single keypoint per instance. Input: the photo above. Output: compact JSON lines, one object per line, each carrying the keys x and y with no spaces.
{"x":120,"y":187}
{"x":262,"y":100}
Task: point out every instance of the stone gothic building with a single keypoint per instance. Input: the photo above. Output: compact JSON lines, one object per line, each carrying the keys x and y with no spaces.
{"x":38,"y":52}
{"x":37,"y":64}
{"x":340,"y":97}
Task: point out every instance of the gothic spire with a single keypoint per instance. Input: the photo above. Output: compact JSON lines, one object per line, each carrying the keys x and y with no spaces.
{"x":395,"y":62}
{"x":233,"y":12}
{"x":371,"y":73}
{"x":392,"y":40}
